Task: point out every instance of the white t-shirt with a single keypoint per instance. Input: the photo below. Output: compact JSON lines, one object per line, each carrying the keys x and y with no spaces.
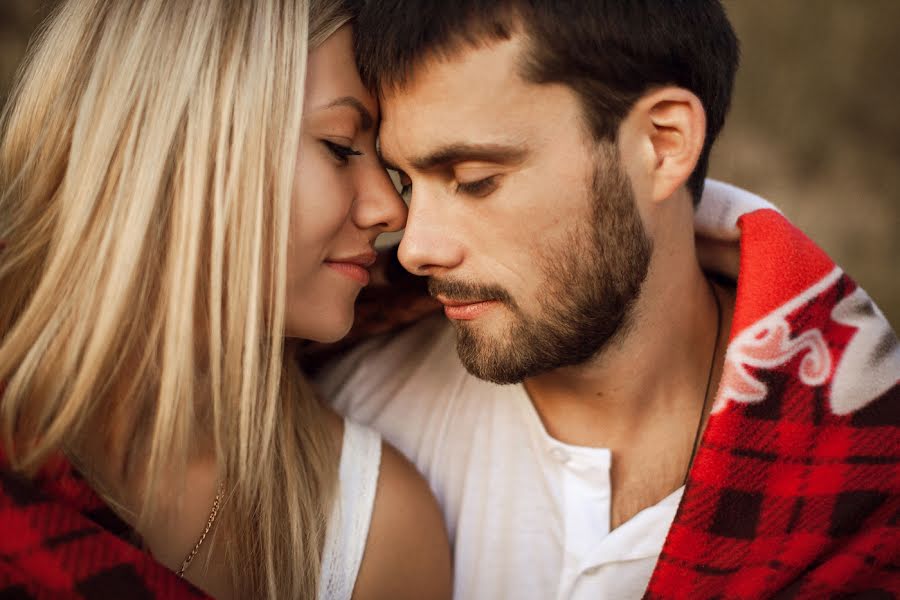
{"x":528,"y":515}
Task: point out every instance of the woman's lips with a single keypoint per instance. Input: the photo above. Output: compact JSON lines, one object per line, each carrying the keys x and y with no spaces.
{"x":466,"y":311}
{"x":356,"y":272}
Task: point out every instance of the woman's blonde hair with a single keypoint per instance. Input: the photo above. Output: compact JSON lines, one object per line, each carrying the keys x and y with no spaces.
{"x":146,"y":172}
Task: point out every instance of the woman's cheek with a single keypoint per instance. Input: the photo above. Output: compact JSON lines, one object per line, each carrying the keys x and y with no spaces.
{"x":327,"y":198}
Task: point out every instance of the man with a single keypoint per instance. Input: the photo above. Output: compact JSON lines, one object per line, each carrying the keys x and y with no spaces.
{"x":597,"y":435}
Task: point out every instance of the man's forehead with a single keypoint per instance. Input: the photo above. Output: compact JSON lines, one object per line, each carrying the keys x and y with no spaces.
{"x":476,"y":95}
{"x":425,"y":146}
{"x":493,"y":61}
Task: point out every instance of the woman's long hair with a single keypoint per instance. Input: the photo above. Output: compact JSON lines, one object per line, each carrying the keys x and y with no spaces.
{"x":146,"y":172}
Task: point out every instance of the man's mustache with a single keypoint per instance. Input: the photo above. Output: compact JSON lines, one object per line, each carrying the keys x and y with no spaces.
{"x":462,"y":291}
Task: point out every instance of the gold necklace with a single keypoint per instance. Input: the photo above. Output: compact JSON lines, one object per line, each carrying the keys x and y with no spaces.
{"x":209,"y":524}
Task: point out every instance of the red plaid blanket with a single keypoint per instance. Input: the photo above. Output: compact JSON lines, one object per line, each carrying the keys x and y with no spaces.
{"x":58,"y":540}
{"x":795,"y":491}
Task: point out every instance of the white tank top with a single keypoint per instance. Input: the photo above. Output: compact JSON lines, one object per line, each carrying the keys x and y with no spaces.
{"x":348,"y":528}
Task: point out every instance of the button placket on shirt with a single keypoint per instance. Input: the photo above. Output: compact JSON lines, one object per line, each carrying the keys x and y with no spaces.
{"x":586,"y":498}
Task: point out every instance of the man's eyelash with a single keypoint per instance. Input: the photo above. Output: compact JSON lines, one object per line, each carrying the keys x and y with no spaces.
{"x":341,"y":153}
{"x":405,"y":186}
{"x":481,"y":187}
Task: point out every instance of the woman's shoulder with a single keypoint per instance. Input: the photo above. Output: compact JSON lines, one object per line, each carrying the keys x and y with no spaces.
{"x":407,"y":553}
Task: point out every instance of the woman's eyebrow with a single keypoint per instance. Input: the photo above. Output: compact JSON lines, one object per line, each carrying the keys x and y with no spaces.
{"x":367,"y":121}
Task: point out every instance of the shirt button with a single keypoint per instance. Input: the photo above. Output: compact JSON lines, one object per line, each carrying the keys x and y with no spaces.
{"x":559,"y":455}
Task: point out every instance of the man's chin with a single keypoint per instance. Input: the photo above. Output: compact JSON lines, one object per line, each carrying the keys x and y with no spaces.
{"x":488,"y":355}
{"x":489,"y":333}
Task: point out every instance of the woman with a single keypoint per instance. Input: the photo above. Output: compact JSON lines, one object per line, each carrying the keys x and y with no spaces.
{"x":168,"y":242}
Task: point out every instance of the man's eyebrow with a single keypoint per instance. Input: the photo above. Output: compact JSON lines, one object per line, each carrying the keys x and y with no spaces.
{"x":508,"y":154}
{"x":456,"y":153}
{"x":366,"y":118}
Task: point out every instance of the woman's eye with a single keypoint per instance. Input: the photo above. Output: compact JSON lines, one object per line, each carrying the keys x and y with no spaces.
{"x":341,"y":153}
{"x":479,"y":188}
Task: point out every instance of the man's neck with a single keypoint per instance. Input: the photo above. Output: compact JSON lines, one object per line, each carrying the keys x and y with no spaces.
{"x":647,"y":396}
{"x":659,"y":367}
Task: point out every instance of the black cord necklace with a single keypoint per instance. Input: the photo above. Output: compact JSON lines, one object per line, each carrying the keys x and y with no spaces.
{"x":709,"y":377}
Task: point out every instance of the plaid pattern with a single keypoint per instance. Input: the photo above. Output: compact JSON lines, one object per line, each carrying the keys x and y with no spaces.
{"x":58,"y":540}
{"x":795,"y":491}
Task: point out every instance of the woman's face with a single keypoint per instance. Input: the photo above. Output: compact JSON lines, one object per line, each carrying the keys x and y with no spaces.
{"x":343,"y":197}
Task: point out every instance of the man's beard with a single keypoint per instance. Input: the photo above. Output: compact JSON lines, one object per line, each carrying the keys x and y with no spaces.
{"x":591,"y":283}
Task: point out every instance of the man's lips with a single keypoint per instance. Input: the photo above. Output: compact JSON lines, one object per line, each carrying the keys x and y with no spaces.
{"x":465,"y":310}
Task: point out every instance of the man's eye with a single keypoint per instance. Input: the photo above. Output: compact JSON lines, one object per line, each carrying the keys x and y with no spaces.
{"x":341,"y":153}
{"x":403,"y":183}
{"x":479,"y":188}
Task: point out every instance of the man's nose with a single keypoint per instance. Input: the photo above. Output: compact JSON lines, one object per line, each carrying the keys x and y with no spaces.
{"x":378,"y":206}
{"x":430,"y":243}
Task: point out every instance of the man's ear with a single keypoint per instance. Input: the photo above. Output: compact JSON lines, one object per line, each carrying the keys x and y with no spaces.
{"x":674,"y":121}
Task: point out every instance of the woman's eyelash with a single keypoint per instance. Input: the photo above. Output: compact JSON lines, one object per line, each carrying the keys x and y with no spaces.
{"x":482,"y":187}
{"x":341,"y":153}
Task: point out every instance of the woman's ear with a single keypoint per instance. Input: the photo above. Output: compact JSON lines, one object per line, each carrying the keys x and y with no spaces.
{"x":674,"y":123}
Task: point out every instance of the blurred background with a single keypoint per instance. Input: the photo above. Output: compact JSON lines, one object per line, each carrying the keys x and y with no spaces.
{"x":814,"y":128}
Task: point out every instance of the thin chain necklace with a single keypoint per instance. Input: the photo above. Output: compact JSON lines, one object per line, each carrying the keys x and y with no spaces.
{"x":209,"y":523}
{"x":709,"y":377}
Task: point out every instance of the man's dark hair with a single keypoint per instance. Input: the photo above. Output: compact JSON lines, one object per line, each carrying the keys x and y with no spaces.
{"x":610,"y":52}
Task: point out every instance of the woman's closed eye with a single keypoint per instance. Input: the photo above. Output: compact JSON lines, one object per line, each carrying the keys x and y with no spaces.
{"x":340,"y":152}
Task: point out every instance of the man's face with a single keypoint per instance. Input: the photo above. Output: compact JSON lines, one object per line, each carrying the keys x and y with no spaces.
{"x":525,"y":226}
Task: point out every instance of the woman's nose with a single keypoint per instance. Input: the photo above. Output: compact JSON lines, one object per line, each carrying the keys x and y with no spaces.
{"x":378,"y":205}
